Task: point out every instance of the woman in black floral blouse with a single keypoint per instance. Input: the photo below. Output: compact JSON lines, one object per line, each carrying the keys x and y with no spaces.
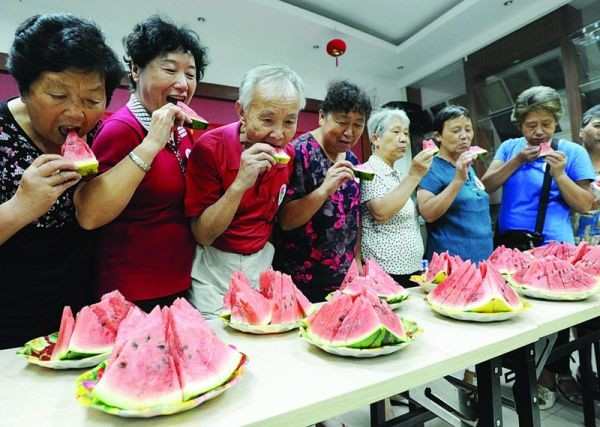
{"x":66,"y":74}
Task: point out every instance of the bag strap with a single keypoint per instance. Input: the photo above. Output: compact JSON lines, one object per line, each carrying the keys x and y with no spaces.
{"x":545,"y":195}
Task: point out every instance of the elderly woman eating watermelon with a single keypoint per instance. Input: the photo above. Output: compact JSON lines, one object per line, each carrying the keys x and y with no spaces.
{"x":66,"y":75}
{"x":235,"y":183}
{"x":145,"y":247}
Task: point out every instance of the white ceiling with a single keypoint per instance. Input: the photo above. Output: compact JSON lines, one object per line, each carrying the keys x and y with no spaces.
{"x":420,"y":36}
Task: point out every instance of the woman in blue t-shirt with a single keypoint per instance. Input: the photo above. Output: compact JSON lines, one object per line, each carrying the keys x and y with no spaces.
{"x":519,"y":170}
{"x":451,"y":198}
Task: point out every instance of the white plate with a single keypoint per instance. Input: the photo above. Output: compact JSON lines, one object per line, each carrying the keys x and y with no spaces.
{"x":472,"y":316}
{"x":41,"y":344}
{"x":88,"y":362}
{"x":260,"y":329}
{"x":361,"y":353}
{"x":86,"y":382}
{"x":554,"y":296}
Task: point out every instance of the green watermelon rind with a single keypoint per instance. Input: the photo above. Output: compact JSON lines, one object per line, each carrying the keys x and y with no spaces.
{"x":538,"y":293}
{"x":71,"y":360}
{"x":86,"y":382}
{"x":381,"y":339}
{"x":258,"y":329}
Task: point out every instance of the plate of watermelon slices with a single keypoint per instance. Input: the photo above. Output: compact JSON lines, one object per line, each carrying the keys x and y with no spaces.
{"x":410,"y":326}
{"x":86,"y":382}
{"x":472,"y":316}
{"x":258,"y":329}
{"x":38,"y":351}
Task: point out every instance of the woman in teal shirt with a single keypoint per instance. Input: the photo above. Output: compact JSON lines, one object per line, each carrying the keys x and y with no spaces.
{"x":451,"y":198}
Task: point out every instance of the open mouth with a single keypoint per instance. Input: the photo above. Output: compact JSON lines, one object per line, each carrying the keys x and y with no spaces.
{"x":64,"y":130}
{"x":173,"y":99}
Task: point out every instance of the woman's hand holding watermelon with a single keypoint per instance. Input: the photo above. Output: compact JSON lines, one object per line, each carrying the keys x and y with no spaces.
{"x":42,"y":184}
{"x":336,"y":175}
{"x":462,"y":166}
{"x":529,"y":153}
{"x":557,"y":162}
{"x":161,"y":127}
{"x":420,"y":164}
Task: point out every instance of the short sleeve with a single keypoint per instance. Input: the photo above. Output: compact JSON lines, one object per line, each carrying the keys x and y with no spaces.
{"x":204,"y":183}
{"x":580,"y":166}
{"x":297,"y":188}
{"x":370,"y":190}
{"x":504,"y":151}
{"x":113,"y":142}
{"x":432,"y":182}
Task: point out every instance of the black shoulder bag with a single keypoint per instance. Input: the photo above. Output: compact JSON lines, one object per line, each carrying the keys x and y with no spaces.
{"x":525,"y":239}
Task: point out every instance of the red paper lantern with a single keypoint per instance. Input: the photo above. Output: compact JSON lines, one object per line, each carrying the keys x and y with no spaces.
{"x":336,"y":48}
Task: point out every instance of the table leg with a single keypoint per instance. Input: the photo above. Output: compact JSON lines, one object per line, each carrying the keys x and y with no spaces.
{"x":378,"y":413}
{"x":585,"y":362}
{"x":489,"y":393}
{"x":525,"y":386}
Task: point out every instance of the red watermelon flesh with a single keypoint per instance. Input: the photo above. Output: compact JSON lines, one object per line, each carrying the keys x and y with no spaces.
{"x":451,"y":284}
{"x":429,"y":144}
{"x":324,"y":323}
{"x":281,"y":295}
{"x":76,"y":150}
{"x":508,"y":261}
{"x":545,"y":149}
{"x":128,"y":327}
{"x":202,"y":360}
{"x":351,"y":274}
{"x":465,"y":285}
{"x":303,"y":302}
{"x":246,"y":304}
{"x":564,"y":251}
{"x":142,"y":373}
{"x":580,"y":251}
{"x":67,"y":323}
{"x":590,"y":262}
{"x":196,"y":121}
{"x":384,"y":285}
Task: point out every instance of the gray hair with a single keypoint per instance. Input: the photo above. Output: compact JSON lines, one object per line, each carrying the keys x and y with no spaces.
{"x":536,"y":98}
{"x":591,"y":114}
{"x":276,"y":79}
{"x":380,"y":120}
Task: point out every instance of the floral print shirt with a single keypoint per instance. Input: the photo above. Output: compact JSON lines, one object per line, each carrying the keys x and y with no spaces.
{"x":318,"y":254}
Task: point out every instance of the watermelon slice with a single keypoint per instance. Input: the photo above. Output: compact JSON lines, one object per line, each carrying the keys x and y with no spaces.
{"x":590,"y":262}
{"x":477,"y":151}
{"x":196,"y":121}
{"x":429,"y":144}
{"x":281,"y":157}
{"x":474,"y":289}
{"x":363,"y":172}
{"x":96,"y":326}
{"x":564,"y":251}
{"x":545,"y":149}
{"x":142,"y":373}
{"x":76,"y":150}
{"x":67,"y":323}
{"x":278,"y":302}
{"x":509,"y":261}
{"x":202,"y":360}
{"x":554,"y":279}
{"x":375,"y":278}
{"x":358,"y":321}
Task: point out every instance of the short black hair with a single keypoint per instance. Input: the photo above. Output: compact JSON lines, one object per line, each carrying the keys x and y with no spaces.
{"x":343,"y":96}
{"x":448,"y":113}
{"x":155,"y":36}
{"x":591,"y":114}
{"x":57,"y":42}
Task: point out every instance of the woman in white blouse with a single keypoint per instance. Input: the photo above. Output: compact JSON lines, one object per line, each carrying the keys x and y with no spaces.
{"x":390,"y":229}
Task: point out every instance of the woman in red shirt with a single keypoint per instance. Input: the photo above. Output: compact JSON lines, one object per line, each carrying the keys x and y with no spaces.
{"x":145,"y":247}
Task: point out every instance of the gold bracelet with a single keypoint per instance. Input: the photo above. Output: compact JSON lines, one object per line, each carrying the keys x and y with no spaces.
{"x":139,"y":162}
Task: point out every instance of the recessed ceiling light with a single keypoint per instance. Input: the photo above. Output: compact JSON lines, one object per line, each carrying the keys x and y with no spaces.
{"x":508,"y":2}
{"x":201,"y":19}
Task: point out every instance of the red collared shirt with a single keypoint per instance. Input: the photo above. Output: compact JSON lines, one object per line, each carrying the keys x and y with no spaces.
{"x":212,"y":167}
